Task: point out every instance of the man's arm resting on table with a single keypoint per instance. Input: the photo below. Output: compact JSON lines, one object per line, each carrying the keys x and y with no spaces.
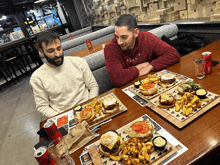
{"x":144,"y":68}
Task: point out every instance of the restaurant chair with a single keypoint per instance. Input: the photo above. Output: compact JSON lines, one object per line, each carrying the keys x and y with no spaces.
{"x":5,"y":70}
{"x":35,"y":58}
{"x":25,"y":56}
{"x":12,"y":63}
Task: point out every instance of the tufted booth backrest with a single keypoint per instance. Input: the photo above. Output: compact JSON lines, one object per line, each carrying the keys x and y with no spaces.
{"x":96,"y":37}
{"x":96,"y":62}
{"x":170,"y":31}
{"x":76,"y":34}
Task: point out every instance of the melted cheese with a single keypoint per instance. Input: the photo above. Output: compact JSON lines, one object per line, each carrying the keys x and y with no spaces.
{"x":109,"y":139}
{"x":166,"y":97}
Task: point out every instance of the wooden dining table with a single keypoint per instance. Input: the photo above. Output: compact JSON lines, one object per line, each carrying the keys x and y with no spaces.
{"x":85,"y":52}
{"x":201,"y":136}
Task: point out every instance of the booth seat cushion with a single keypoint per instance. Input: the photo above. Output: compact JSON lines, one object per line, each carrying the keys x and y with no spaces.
{"x":76,"y":33}
{"x":96,"y":62}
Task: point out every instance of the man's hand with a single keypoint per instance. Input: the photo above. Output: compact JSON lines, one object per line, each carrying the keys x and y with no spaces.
{"x":145,"y":70}
{"x":142,"y":65}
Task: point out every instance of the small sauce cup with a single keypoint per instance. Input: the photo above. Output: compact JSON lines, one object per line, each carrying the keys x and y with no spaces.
{"x":159,"y":142}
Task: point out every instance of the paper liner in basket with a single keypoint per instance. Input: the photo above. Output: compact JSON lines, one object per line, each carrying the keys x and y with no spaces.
{"x":78,"y":137}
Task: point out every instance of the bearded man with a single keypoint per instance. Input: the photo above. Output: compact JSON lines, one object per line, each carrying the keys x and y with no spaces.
{"x":62,"y":82}
{"x":130,"y":53}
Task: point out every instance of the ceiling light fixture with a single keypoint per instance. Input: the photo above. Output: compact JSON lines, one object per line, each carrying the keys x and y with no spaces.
{"x":39,"y":1}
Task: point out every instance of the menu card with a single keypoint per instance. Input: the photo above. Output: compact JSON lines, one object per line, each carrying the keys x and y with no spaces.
{"x":65,"y":120}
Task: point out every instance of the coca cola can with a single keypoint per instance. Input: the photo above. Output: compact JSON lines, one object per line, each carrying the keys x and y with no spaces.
{"x":52,"y":131}
{"x":43,"y":156}
{"x":207,"y":57}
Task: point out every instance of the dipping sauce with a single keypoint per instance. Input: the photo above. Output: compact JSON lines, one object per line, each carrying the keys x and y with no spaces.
{"x":201,"y":92}
{"x":159,"y":141}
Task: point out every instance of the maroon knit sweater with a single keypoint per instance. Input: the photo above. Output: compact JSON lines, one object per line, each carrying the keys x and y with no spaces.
{"x":121,"y":64}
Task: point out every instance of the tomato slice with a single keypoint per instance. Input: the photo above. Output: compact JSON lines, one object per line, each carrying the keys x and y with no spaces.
{"x":141,"y":127}
{"x":85,"y":112}
{"x":148,"y":85}
{"x":137,"y":127}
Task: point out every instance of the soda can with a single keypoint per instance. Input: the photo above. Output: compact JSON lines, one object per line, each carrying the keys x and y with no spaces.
{"x":43,"y":156}
{"x":52,"y":131}
{"x":207,"y":57}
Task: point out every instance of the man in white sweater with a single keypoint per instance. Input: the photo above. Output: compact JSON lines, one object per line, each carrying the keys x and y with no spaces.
{"x":62,"y":82}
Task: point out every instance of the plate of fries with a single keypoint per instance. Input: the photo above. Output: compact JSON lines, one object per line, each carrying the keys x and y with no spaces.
{"x":97,"y":106}
{"x":186,"y":105}
{"x":135,"y":152}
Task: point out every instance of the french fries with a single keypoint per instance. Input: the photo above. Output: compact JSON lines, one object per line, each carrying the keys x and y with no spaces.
{"x":151,"y":79}
{"x":134,"y":152}
{"x":96,"y":105}
{"x":187,"y":103}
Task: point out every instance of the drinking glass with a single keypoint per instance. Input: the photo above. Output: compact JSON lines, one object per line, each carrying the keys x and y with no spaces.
{"x":60,"y":152}
{"x":199,"y":68}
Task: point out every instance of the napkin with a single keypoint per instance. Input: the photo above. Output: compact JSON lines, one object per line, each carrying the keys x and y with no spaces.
{"x":79,"y":136}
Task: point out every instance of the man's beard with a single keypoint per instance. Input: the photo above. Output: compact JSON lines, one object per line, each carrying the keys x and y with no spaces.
{"x":130,"y":44}
{"x":52,"y":60}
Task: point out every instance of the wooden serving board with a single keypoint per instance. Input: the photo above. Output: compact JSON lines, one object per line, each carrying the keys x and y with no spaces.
{"x":155,"y":158}
{"x":102,"y":116}
{"x":177,"y":118}
{"x":160,"y":90}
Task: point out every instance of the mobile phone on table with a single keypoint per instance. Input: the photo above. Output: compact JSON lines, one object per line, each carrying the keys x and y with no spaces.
{"x":214,"y":63}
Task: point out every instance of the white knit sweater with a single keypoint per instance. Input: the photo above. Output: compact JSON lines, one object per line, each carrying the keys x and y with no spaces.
{"x":61,"y":88}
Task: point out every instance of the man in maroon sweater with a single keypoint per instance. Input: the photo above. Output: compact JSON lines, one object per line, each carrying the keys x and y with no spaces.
{"x":130,"y":53}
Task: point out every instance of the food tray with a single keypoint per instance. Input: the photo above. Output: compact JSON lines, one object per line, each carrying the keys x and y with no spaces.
{"x":156,"y":157}
{"x":177,"y":118}
{"x":160,"y":90}
{"x":99,"y":118}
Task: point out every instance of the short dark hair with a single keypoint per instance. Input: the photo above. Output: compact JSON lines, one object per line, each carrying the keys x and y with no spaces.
{"x":46,"y":37}
{"x":127,"y":20}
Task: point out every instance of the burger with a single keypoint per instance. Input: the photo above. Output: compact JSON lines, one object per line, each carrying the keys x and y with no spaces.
{"x":188,"y":86}
{"x":110,"y":105}
{"x":87,"y":114}
{"x":110,"y":143}
{"x":141,"y":130}
{"x":148,"y":89}
{"x":166,"y":100}
{"x":167,"y":80}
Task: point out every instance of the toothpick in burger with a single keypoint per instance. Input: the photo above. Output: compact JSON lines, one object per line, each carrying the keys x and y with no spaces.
{"x":141,"y":130}
{"x":148,"y":89}
{"x":166,"y":100}
{"x":110,"y":143}
{"x":110,"y":105}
